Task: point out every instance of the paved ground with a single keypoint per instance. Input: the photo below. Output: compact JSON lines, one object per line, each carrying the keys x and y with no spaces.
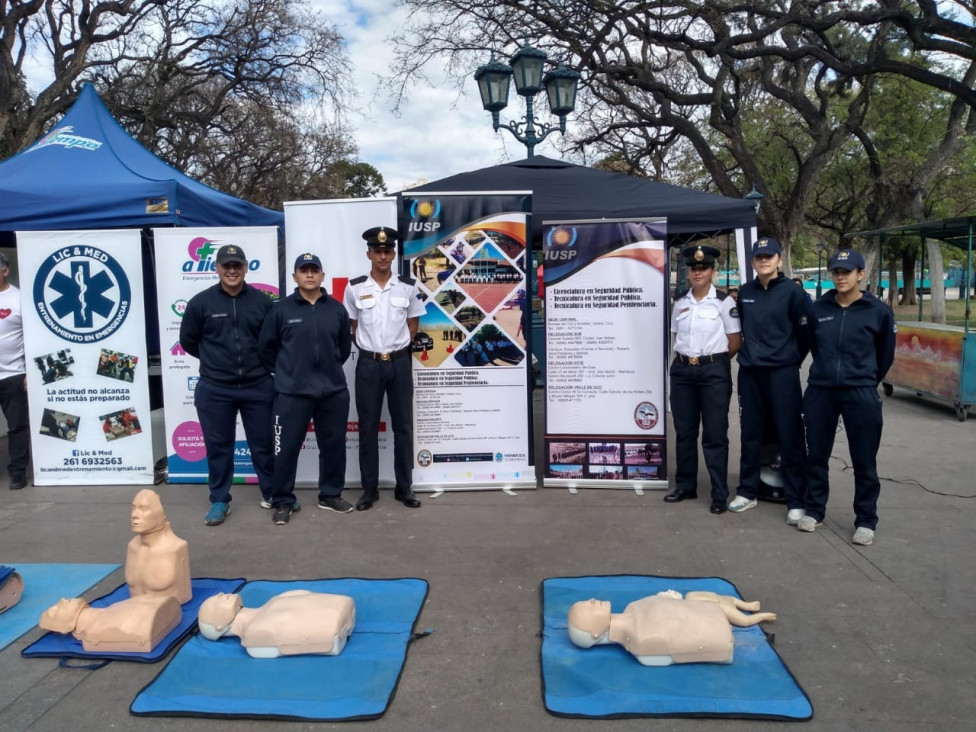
{"x":881,"y":637}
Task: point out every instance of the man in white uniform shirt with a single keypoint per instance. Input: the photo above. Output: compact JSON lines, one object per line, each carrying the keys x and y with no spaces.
{"x":13,"y":378}
{"x":384,"y":311}
{"x":705,"y":324}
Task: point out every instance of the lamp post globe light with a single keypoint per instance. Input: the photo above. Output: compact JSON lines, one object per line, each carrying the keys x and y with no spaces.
{"x":526,"y":68}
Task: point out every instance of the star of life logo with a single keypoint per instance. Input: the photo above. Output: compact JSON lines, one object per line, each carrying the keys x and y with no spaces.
{"x":62,"y":136}
{"x":82,"y":294}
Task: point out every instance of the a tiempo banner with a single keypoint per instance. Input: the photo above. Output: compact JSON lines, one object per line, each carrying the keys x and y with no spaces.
{"x":185,"y":265}
{"x":85,"y":341}
{"x":606,"y":353}
{"x":334,"y":230}
{"x":472,"y":363}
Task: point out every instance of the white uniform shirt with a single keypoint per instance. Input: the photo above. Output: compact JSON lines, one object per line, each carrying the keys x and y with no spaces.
{"x":11,"y":334}
{"x":382,"y":313}
{"x":701,"y":327}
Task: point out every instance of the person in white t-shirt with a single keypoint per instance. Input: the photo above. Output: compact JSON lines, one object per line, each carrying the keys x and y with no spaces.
{"x":13,"y":378}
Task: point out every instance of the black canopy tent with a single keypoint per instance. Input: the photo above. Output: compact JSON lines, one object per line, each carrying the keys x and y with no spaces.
{"x":565,"y":191}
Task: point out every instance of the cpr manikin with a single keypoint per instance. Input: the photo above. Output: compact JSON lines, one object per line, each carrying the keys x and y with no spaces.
{"x":288,"y":624}
{"x":665,"y":628}
{"x":11,"y":589}
{"x":157,"y":571}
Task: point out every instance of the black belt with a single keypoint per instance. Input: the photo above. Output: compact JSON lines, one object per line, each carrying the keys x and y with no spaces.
{"x":391,"y":356}
{"x":699,"y":360}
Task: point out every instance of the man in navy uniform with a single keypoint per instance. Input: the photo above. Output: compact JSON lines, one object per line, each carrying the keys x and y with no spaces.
{"x":304,"y":342}
{"x":221,"y":327}
{"x":384,"y":311}
{"x":706,"y":327}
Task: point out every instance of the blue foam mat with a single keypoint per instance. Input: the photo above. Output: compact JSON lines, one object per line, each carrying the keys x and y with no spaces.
{"x":60,"y":645}
{"x":606,"y":681}
{"x":44,"y":585}
{"x":218,"y":679}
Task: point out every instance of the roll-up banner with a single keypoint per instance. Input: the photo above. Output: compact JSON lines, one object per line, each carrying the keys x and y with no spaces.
{"x":606,"y":353}
{"x":334,"y":231}
{"x":472,"y":363}
{"x":85,"y":342}
{"x":185,"y":265}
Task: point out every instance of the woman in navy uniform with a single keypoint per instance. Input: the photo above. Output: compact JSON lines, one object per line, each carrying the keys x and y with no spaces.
{"x":775,"y":317}
{"x":853,"y":347}
{"x":706,"y":327}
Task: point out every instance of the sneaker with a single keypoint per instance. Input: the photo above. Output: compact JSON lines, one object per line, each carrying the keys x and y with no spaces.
{"x":741,"y":503}
{"x":282,"y":514}
{"x":808,"y":523}
{"x":266,"y":502}
{"x":17,"y":482}
{"x":335,"y":503}
{"x":863,"y":536}
{"x":794,"y":515}
{"x":217,"y":513}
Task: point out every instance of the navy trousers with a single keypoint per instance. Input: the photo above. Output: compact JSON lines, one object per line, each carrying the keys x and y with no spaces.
{"x":217,"y":409}
{"x":860,"y":408}
{"x":775,"y":393}
{"x":394,"y":379}
{"x":13,"y":401}
{"x":700,"y":395}
{"x":292,"y":415}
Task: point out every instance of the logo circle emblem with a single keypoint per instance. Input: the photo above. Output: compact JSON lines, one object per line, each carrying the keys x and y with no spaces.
{"x":424,"y":458}
{"x":646,"y":415}
{"x":82,"y":294}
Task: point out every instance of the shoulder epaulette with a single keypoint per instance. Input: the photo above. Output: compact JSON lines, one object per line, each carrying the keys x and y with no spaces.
{"x":721,"y":294}
{"x":357,"y":280}
{"x":408,"y":281}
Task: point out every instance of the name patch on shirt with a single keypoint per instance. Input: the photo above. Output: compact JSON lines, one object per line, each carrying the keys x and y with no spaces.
{"x":746,"y":299}
{"x":683,"y":310}
{"x":218,"y":315}
{"x":825,"y":318}
{"x":289,"y":321}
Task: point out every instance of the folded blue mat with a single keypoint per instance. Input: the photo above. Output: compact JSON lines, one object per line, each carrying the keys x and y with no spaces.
{"x":65,"y":645}
{"x":44,"y":585}
{"x":218,"y":679}
{"x":607,"y":681}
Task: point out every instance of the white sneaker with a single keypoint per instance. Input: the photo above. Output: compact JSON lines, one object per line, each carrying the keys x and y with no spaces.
{"x":794,"y":515}
{"x":863,"y":536}
{"x":741,"y":503}
{"x":266,"y":503}
{"x":808,"y":523}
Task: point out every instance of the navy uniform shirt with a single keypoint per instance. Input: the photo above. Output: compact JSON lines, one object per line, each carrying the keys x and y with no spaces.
{"x":305,"y":345}
{"x":775,"y":324}
{"x":852,"y":346}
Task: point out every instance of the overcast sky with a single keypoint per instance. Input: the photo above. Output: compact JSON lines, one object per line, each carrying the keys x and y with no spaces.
{"x":437,"y":133}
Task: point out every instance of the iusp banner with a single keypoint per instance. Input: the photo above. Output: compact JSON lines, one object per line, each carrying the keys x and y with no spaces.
{"x":472,"y":408}
{"x":333,"y":230}
{"x":186,"y":265}
{"x":606,"y":353}
{"x":85,"y":342}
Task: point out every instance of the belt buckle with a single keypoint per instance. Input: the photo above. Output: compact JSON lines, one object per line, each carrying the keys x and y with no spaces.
{"x":693,"y":360}
{"x":385,"y":357}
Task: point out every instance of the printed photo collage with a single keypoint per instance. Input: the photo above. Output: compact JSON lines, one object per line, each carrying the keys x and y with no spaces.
{"x":626,"y":460}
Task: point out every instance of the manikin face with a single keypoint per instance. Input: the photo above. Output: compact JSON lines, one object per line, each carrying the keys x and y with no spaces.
{"x":217,"y":613}
{"x":766,"y":265}
{"x":147,"y":512}
{"x":846,"y":281}
{"x":231,"y":275}
{"x":62,"y":617}
{"x":309,"y":279}
{"x":381,"y":259}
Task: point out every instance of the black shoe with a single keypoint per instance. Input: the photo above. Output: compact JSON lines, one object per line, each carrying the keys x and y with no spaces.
{"x":408,"y":498}
{"x":677,"y":496}
{"x":718,"y":507}
{"x":17,"y":482}
{"x":367,"y":500}
{"x":281,"y":515}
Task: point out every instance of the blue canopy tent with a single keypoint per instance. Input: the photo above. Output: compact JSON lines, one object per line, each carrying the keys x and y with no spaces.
{"x":88,"y":173}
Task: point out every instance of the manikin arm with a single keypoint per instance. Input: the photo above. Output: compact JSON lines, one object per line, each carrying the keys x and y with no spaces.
{"x":733,"y":607}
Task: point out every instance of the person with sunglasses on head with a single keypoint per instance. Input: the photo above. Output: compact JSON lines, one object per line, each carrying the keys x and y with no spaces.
{"x":853,"y":347}
{"x":775,"y":317}
{"x":220,"y":327}
{"x":705,"y":324}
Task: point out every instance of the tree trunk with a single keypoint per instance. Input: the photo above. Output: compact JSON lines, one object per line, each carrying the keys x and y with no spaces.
{"x":937,"y":278}
{"x":909,"y":259}
{"x":892,"y":293}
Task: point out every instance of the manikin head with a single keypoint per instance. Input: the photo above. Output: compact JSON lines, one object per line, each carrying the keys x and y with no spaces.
{"x":217,"y":613}
{"x":147,"y":512}
{"x":589,"y":622}
{"x":63,"y":617}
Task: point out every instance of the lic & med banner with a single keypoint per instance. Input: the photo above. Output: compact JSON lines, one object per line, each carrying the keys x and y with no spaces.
{"x":85,"y":342}
{"x":606,"y":353}
{"x":185,"y":265}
